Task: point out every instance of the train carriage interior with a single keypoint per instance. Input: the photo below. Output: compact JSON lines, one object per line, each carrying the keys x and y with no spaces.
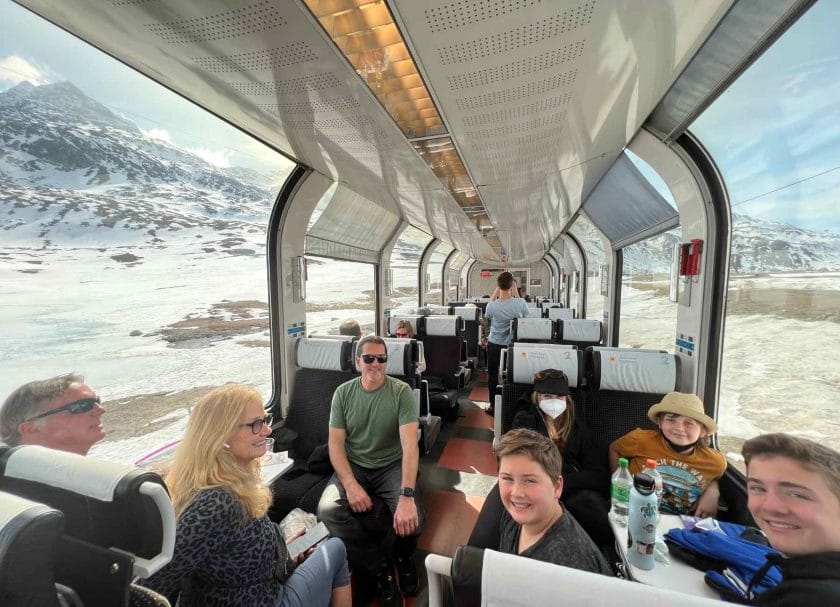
{"x":403,"y":154}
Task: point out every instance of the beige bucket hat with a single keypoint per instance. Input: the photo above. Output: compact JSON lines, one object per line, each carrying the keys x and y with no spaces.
{"x":683,"y":404}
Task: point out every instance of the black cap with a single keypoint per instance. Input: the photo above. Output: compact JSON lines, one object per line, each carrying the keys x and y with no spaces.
{"x":643,"y":483}
{"x":551,"y":381}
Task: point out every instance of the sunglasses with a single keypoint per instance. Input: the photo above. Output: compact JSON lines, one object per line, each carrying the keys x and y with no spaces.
{"x":257,"y":424}
{"x":369,"y":358}
{"x":83,"y":405}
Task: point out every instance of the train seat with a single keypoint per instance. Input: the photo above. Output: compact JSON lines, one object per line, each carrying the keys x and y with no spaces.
{"x":623,"y":384}
{"x":322,"y":366}
{"x":555,"y":312}
{"x":444,"y":371}
{"x":531,"y":330}
{"x":118,"y":519}
{"x":580,"y":332}
{"x":486,"y":577}
{"x":471,"y":332}
{"x":436,"y":310}
{"x":29,"y":532}
{"x":534,"y":312}
{"x":547,"y":303}
{"x":521,"y":362}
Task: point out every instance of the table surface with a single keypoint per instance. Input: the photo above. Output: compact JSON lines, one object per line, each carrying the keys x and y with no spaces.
{"x":675,"y":575}
{"x":271,"y":471}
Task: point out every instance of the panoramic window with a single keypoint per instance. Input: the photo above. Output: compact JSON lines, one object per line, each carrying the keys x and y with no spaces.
{"x":648,"y":316}
{"x":405,"y":259}
{"x":134,"y":233}
{"x":780,"y":156}
{"x":593,"y":247}
{"x":337,"y":291}
{"x":454,"y":275}
{"x":434,"y":274}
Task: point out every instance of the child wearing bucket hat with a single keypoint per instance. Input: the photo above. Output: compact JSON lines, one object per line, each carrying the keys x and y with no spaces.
{"x":689,"y":467}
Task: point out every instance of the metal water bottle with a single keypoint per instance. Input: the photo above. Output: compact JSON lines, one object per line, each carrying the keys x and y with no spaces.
{"x":641,"y":522}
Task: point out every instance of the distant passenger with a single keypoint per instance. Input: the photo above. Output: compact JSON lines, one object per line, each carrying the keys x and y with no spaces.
{"x":60,"y":413}
{"x":793,"y":489}
{"x":350,"y":327}
{"x":227,"y":551}
{"x":550,"y":411}
{"x":523,"y":293}
{"x":404,"y":330}
{"x":689,"y":467}
{"x":373,"y":449}
{"x":534,"y":523}
{"x":503,"y":308}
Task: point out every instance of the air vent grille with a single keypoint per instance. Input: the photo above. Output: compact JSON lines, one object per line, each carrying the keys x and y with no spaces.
{"x":291,"y":54}
{"x":512,"y":40}
{"x":337,"y":104}
{"x":511,"y":113}
{"x":510,"y":95}
{"x":513,"y":129}
{"x":291,"y":86}
{"x":468,"y":12}
{"x":530,"y":65}
{"x":258,"y":17}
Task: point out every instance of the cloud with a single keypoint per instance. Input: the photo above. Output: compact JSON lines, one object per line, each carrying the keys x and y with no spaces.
{"x":158,"y":134}
{"x":15,"y":69}
{"x":217,"y":158}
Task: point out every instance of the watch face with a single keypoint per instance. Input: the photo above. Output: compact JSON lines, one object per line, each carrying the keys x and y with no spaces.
{"x":407,"y":492}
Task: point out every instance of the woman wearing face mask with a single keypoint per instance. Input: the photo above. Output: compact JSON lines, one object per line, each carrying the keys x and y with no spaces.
{"x":550,"y":410}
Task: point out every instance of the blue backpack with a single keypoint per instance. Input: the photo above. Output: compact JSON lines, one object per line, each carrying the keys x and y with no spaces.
{"x":736,"y":567}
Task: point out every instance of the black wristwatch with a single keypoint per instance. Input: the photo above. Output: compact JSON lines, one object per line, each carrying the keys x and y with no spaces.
{"x":407,"y":492}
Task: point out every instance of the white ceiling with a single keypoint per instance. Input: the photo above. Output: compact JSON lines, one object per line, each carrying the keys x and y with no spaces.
{"x":539,"y":96}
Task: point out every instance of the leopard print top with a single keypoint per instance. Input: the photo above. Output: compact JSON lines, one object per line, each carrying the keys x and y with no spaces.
{"x":223,"y":557}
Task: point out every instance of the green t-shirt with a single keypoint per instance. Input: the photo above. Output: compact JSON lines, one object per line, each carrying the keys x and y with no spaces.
{"x":372,"y":420}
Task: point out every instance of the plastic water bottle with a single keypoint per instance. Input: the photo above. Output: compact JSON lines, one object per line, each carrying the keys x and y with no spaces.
{"x":641,"y":524}
{"x":658,"y":487}
{"x":620,"y":492}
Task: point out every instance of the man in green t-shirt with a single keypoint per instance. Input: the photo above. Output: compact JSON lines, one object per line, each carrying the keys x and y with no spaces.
{"x":373,"y":449}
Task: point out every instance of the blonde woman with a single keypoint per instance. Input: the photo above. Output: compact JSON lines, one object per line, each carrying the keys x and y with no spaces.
{"x":227,"y":551}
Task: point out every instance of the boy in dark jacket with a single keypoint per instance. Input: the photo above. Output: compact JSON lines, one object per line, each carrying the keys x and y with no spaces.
{"x":793,"y":487}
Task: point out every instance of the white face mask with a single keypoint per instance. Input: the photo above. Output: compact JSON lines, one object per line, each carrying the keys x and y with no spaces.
{"x":553,"y":407}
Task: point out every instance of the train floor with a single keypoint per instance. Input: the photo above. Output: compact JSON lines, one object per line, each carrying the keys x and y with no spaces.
{"x":455,"y":477}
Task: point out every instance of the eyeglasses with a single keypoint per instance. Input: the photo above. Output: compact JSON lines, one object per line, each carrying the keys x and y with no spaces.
{"x":83,"y":405}
{"x":257,"y":424}
{"x":369,"y":358}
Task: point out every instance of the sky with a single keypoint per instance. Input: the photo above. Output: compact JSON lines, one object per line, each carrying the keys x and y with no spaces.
{"x":775,"y":134}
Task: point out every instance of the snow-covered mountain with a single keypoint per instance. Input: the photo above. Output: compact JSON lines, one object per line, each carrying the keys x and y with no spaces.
{"x":72,"y":170}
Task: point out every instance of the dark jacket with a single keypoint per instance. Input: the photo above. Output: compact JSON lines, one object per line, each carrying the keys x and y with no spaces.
{"x":584,"y":465}
{"x":813,"y":579}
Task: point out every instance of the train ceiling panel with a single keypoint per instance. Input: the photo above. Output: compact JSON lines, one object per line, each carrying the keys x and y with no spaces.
{"x":541,"y":97}
{"x":268,"y":67}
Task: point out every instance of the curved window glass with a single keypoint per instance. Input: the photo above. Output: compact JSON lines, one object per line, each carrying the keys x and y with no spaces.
{"x":648,"y":316}
{"x":134,"y":234}
{"x":434,"y":274}
{"x":337,"y":291}
{"x":592,"y":242}
{"x":780,"y":156}
{"x":405,"y":259}
{"x":454,"y":275}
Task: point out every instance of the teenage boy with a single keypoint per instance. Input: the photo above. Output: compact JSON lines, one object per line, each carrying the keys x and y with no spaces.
{"x":793,"y":487}
{"x":534,"y":523}
{"x":689,"y":467}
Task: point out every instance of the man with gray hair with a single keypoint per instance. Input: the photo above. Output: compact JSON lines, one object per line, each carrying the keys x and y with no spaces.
{"x":60,"y":413}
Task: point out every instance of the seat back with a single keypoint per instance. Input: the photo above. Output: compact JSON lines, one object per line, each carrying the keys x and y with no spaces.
{"x":579,"y":332}
{"x":556,"y":312}
{"x":534,"y":311}
{"x":29,"y":532}
{"x":531,"y":329}
{"x":472,"y":330}
{"x":487,"y":577}
{"x":624,"y":383}
{"x":322,"y":366}
{"x":437,"y":310}
{"x":119,"y":521}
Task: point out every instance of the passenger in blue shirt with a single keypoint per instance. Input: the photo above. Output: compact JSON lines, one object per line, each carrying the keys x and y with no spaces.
{"x":504,"y":307}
